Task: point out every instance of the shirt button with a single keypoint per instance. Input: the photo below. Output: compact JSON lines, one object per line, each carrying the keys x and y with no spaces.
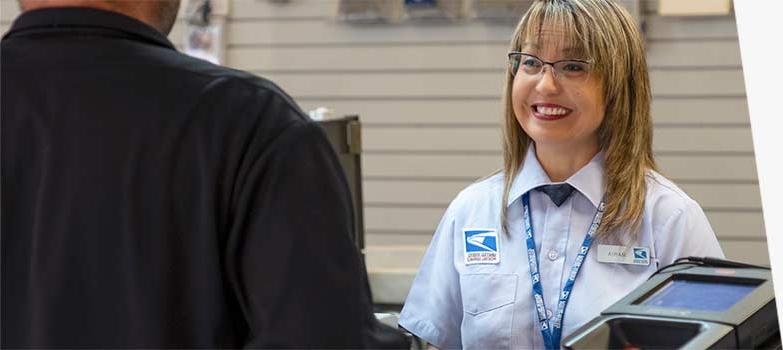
{"x":548,"y":314}
{"x":552,"y":255}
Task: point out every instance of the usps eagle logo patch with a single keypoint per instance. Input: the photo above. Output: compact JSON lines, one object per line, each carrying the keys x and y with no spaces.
{"x":640,"y":253}
{"x":641,"y":256}
{"x":481,"y":246}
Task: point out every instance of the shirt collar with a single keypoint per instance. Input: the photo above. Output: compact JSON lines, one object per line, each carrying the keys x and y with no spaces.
{"x":589,"y":180}
{"x":69,"y":18}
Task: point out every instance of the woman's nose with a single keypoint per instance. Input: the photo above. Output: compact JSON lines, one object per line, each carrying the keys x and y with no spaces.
{"x":547,"y":82}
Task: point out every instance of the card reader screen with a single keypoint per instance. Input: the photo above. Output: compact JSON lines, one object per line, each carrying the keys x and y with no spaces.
{"x":698,"y":295}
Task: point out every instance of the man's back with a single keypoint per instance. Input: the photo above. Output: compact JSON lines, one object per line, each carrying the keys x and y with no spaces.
{"x":150,"y":199}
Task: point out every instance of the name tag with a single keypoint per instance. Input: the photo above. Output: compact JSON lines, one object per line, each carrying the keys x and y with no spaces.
{"x":481,"y":246}
{"x":617,"y":254}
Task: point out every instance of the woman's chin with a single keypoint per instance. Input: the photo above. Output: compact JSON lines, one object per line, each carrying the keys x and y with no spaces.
{"x":551,"y":142}
{"x":549,"y":135}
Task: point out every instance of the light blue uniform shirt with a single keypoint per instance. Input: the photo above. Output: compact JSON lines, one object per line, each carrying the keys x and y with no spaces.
{"x":490,"y":306}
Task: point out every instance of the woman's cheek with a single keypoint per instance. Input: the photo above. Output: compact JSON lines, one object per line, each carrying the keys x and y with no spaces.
{"x":518,"y":99}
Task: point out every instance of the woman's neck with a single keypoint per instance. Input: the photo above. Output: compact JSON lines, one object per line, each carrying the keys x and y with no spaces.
{"x":561,"y":162}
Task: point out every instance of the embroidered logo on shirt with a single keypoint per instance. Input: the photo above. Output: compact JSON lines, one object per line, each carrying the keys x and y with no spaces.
{"x":481,"y":246}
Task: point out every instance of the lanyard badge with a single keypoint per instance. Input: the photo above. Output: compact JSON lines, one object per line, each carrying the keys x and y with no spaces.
{"x":553,"y":334}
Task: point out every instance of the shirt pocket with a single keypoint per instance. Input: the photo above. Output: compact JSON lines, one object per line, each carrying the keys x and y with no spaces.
{"x":488,"y":304}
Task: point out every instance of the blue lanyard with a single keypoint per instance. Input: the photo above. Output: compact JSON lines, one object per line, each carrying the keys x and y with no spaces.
{"x":553,"y":334}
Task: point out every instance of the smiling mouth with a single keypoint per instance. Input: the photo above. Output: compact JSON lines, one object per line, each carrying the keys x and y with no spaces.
{"x":549,"y":111}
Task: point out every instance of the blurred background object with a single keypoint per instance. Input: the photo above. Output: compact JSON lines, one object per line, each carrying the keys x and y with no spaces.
{"x":695,"y":8}
{"x":204,"y":26}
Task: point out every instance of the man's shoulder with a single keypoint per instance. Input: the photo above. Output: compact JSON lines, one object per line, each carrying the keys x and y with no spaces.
{"x":202,"y":69}
{"x":223,"y":89}
{"x":233,"y":82}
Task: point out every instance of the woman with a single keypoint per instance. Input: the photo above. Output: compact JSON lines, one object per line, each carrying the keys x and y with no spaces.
{"x":578,"y":217}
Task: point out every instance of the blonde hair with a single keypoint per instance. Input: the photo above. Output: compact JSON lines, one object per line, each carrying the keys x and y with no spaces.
{"x":608,"y":37}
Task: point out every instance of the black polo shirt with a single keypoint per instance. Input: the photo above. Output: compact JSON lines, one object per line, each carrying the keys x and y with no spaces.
{"x":150,"y":199}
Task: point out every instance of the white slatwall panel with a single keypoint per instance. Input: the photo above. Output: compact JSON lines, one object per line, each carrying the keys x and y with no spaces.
{"x":479,"y":84}
{"x":326,"y":31}
{"x":470,"y":56}
{"x":9,"y":9}
{"x":692,"y":111}
{"x":486,"y":139}
{"x":321,"y":30}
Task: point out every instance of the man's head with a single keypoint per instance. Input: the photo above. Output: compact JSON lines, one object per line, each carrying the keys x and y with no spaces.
{"x":159,"y":14}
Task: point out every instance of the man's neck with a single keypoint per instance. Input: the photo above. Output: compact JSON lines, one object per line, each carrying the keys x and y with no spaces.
{"x":147,"y":11}
{"x":562,"y":161}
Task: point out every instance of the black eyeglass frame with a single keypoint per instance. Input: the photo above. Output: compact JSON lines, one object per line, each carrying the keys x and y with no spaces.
{"x":552,"y":64}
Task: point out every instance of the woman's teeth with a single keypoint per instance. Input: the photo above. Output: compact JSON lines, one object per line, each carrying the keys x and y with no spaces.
{"x":551,"y":110}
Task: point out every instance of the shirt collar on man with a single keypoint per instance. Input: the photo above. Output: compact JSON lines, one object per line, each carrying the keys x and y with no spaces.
{"x":70,"y":18}
{"x":589,"y":180}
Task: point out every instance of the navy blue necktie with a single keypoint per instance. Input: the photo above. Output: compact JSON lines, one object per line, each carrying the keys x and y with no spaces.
{"x":557,"y":193}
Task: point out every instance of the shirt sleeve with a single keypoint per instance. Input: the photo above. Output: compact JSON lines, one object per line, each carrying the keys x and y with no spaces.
{"x":433,"y":308}
{"x":291,"y":263}
{"x":687,"y":233}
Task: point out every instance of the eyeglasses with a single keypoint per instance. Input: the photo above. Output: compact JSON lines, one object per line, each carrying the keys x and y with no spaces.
{"x":570,"y":70}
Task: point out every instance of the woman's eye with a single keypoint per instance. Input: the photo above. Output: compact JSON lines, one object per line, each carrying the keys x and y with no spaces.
{"x":573,"y":67}
{"x":529,"y":62}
